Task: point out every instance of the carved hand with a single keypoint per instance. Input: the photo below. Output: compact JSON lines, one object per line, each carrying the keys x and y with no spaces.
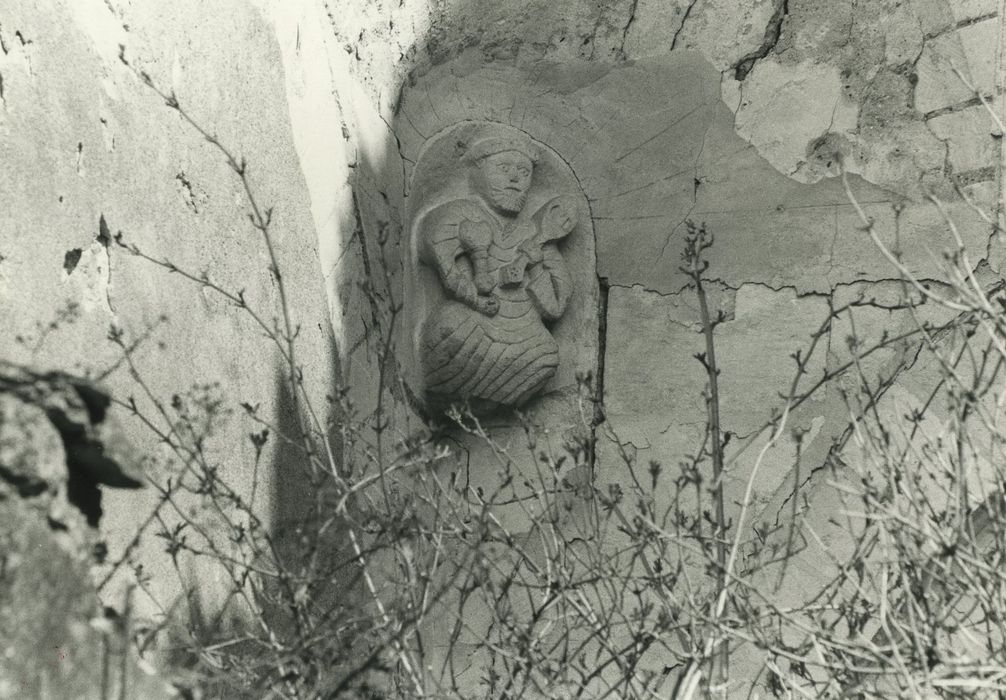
{"x":475,"y":237}
{"x":560,"y":218}
{"x":489,"y":306}
{"x":484,"y":282}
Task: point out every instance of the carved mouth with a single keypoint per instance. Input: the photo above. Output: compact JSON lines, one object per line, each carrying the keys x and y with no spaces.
{"x":509,"y":198}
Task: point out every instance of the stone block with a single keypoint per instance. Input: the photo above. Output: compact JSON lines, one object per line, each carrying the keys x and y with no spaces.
{"x":57,"y":643}
{"x":726,"y":31}
{"x":95,"y":152}
{"x":964,"y":10}
{"x":971,"y":50}
{"x":968,"y":136}
{"x":32,"y":459}
{"x":653,"y":27}
{"x":808,"y":98}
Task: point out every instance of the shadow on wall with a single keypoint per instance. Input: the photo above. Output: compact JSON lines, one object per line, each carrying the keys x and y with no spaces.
{"x":359,"y":180}
{"x":367,"y":272}
{"x":311,"y":546}
{"x":353,"y":177}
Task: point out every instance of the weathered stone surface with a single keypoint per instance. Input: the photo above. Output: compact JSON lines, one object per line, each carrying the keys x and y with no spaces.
{"x":808,"y":97}
{"x":903,"y":35}
{"x":654,"y":386}
{"x":652,"y":381}
{"x":95,"y":152}
{"x":970,"y":50}
{"x":675,"y":155}
{"x":57,"y":643}
{"x":654,"y":27}
{"x":82,"y":412}
{"x":726,"y":32}
{"x":59,"y":444}
{"x":970,"y":143}
{"x":491,"y":216}
{"x":973,"y":9}
{"x":333,"y":109}
{"x":755,"y":352}
{"x":893,"y":64}
{"x":32,"y":459}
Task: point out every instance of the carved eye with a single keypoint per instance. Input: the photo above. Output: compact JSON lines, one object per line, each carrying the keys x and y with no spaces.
{"x":502,"y":167}
{"x":524,"y":172}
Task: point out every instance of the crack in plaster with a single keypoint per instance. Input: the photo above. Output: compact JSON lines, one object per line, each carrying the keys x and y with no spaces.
{"x":104,"y":237}
{"x":950,"y":109}
{"x":401,"y":155}
{"x":812,"y":294}
{"x":961,"y":24}
{"x":628,"y":25}
{"x":773,"y":32}
{"x":697,"y":181}
{"x":603,"y":290}
{"x":905,"y":365}
{"x":681,"y":27}
{"x":831,"y":250}
{"x":592,"y":37}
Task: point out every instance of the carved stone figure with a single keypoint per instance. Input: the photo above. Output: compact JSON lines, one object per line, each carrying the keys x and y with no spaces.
{"x":502,"y":276}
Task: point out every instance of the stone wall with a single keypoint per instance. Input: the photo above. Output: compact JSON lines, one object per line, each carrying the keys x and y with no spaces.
{"x":59,"y":444}
{"x":91,"y":152}
{"x":736,"y":114}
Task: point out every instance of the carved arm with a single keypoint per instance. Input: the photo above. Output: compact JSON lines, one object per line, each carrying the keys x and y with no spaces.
{"x":549,"y":284}
{"x":442,"y":254}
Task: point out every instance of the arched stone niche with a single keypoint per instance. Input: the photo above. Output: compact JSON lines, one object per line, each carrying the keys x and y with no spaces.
{"x":501,"y":290}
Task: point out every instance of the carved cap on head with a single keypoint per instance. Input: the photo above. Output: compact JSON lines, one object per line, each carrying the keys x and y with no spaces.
{"x":490,"y":145}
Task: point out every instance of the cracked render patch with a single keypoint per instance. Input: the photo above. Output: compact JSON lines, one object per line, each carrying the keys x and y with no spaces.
{"x":653,"y":145}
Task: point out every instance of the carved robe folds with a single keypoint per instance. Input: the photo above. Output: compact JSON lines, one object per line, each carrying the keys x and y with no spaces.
{"x":493,"y":315}
{"x":486,"y":342}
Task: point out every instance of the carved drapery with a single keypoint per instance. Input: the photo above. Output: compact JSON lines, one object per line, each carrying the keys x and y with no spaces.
{"x":488,"y":237}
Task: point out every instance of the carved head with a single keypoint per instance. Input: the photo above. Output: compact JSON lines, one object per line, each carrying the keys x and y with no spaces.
{"x":503,"y":169}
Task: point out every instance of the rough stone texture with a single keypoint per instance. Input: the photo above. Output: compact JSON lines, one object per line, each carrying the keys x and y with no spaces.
{"x":492,"y":282}
{"x":652,"y":145}
{"x":893,"y":60}
{"x":796,"y":94}
{"x":877,"y":49}
{"x":741,"y":115}
{"x":965,"y":49}
{"x":31,"y":452}
{"x":89,"y":152}
{"x":968,"y":135}
{"x":57,"y":642}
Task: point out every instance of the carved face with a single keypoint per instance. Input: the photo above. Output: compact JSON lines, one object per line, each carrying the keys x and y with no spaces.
{"x":504,"y":179}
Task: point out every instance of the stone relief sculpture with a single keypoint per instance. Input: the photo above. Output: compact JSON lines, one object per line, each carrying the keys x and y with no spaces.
{"x":501,"y":276}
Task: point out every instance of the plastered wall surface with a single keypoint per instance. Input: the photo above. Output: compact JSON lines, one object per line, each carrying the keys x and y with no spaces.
{"x":90,"y":152}
{"x":736,"y":114}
